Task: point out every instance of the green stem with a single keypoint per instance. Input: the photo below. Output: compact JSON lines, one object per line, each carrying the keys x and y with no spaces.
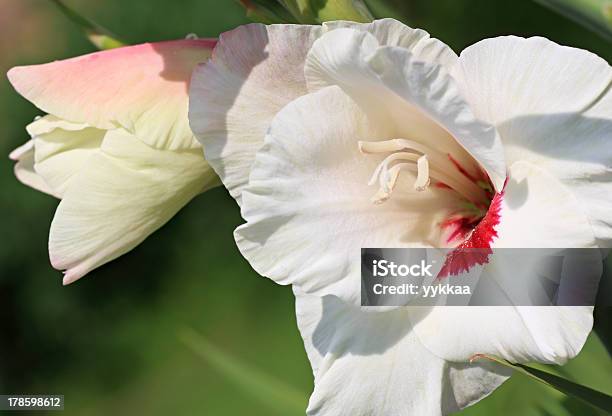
{"x":98,"y":35}
{"x":269,"y":391}
{"x":594,"y":14}
{"x":586,"y":394}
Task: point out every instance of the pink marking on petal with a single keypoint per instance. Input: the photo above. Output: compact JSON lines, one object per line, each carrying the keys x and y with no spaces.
{"x":475,"y":250}
{"x":442,"y":185}
{"x":461,"y":169}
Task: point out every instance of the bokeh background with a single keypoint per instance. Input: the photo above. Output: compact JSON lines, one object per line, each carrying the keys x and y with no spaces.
{"x":111,"y":343}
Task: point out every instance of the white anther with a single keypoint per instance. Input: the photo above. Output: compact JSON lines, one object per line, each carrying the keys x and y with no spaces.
{"x":422,"y":181}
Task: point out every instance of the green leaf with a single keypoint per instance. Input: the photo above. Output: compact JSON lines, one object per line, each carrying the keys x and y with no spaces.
{"x":101,"y":38}
{"x":603,"y":307}
{"x":306,"y":11}
{"x":603,"y":326}
{"x":267,"y":12}
{"x":381,"y":9}
{"x":594,"y":14}
{"x":586,"y":394}
{"x":268,"y":390}
{"x":326,"y":10}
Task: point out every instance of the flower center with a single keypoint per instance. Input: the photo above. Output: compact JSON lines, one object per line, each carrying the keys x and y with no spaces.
{"x":470,"y":227}
{"x":433,"y":168}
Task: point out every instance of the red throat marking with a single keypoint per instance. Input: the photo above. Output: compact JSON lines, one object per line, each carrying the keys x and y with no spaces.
{"x":475,"y":250}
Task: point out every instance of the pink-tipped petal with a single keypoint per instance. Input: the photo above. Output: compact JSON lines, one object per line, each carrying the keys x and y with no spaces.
{"x":141,"y":88}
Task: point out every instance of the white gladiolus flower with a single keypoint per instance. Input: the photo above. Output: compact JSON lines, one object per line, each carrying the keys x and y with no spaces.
{"x":115,"y":147}
{"x":348,"y":135}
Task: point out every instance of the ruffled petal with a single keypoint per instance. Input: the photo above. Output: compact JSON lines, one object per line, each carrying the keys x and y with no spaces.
{"x":255,"y":71}
{"x":127,"y":192}
{"x":141,"y":88}
{"x":373,"y":363}
{"x":390,"y":32}
{"x":418,"y":97}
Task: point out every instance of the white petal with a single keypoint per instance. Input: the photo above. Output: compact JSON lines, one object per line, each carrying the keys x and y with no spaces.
{"x":574,"y":148}
{"x":549,"y":334}
{"x":590,"y":176}
{"x":24,"y":168}
{"x":537,"y":211}
{"x":127,"y":192}
{"x":255,"y":70}
{"x":61,"y":149}
{"x":391,"y":32}
{"x":551,"y":105}
{"x":372,"y":363}
{"x":508,"y":77}
{"x":419,"y":98}
{"x":308,"y":207}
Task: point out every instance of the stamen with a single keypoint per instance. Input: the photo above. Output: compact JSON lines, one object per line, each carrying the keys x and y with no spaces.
{"x":384,"y":192}
{"x":422,"y":181}
{"x":416,"y":157}
{"x":395,"y":171}
{"x":383,"y":167}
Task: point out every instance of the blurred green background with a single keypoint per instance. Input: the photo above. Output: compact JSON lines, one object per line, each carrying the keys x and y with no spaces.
{"x":110,"y":342}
